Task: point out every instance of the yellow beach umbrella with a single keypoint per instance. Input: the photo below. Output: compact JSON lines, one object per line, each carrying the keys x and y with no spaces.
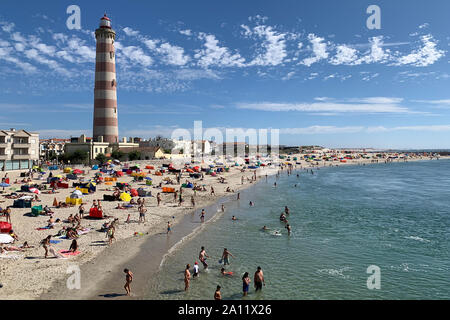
{"x":125,"y":197}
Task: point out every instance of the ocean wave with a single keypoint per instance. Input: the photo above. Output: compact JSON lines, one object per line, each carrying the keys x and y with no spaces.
{"x":335,"y":272}
{"x":417,"y":238}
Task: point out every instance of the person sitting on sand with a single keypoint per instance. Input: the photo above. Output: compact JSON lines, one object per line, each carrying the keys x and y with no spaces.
{"x":26,"y":246}
{"x":47,"y":210}
{"x":94,"y":204}
{"x":132,"y":201}
{"x":51,"y":223}
{"x":73,"y":246}
{"x":14,"y":235}
{"x":70,"y":219}
{"x":71,"y":233}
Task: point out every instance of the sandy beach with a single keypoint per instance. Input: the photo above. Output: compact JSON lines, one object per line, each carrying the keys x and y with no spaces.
{"x":28,"y":275}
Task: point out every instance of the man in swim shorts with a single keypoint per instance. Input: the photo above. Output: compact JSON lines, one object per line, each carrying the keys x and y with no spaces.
{"x":259,"y":279}
{"x":202,"y":257}
{"x":225,"y":256}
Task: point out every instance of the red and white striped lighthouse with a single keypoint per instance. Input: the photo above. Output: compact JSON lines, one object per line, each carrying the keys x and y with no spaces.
{"x":105,"y":95}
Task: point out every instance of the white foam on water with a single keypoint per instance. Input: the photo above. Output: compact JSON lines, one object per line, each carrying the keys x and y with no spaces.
{"x":417,"y":239}
{"x":335,"y":272}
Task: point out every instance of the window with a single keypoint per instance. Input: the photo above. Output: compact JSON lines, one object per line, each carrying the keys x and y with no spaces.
{"x":113,"y":82}
{"x":96,"y":150}
{"x":115,"y":110}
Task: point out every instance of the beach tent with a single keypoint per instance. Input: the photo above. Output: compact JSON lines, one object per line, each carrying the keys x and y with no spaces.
{"x":95,"y":213}
{"x":77,"y":171}
{"x":95,"y":167}
{"x":144,"y":193}
{"x":76,"y":194}
{"x":5,"y":227}
{"x":125,"y":197}
{"x":67,"y":170}
{"x":53,"y":168}
{"x":6,"y":238}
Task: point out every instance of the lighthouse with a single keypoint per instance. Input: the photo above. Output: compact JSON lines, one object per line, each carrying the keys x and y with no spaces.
{"x":105,"y":127}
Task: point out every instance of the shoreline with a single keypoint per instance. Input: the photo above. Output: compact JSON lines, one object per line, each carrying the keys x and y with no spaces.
{"x":137,"y":259}
{"x":35,"y":278}
{"x":98,"y":285}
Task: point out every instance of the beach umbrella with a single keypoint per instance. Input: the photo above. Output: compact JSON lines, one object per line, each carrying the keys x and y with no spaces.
{"x":34,"y":190}
{"x":125,"y":197}
{"x":148,"y":178}
{"x":6,"y":238}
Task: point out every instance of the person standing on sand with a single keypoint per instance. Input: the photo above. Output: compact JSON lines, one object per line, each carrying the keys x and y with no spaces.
{"x":142,"y":212}
{"x":187,"y":277}
{"x":238,"y":196}
{"x":259,"y":279}
{"x":169,"y":229}
{"x":175,"y":196}
{"x":245,"y":283}
{"x":202,"y":257}
{"x":212,"y":191}
{"x":223,"y":207}
{"x":217,"y":294}
{"x":193,"y":201}
{"x":128,"y":280}
{"x":158,"y":198}
{"x":46,"y":243}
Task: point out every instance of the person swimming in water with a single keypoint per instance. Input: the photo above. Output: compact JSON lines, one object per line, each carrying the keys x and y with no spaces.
{"x":233,"y":218}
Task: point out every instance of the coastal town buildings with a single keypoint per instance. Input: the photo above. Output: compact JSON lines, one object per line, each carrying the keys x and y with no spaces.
{"x":19,"y":149}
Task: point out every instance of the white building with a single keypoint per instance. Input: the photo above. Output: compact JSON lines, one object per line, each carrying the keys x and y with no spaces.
{"x":18,"y":149}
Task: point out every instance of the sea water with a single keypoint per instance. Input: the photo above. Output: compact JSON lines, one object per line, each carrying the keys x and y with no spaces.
{"x":344,"y":219}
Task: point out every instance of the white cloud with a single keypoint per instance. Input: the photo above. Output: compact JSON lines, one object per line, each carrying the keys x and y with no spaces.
{"x":186,"y":32}
{"x":376,"y":53}
{"x":213,"y":54}
{"x":424,"y":56}
{"x":321,"y":130}
{"x":344,"y":55}
{"x":355,"y":105}
{"x":319,"y":49}
{"x":130,"y":32}
{"x":134,"y":55}
{"x":274,"y":46}
{"x":173,"y":55}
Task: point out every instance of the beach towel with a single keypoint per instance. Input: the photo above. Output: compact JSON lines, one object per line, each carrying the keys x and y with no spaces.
{"x":43,"y":228}
{"x":10,"y":256}
{"x":69,"y":253}
{"x":84,"y":231}
{"x":56,"y":254}
{"x":55,"y":241}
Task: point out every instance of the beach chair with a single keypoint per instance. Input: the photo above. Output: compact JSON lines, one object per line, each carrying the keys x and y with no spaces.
{"x":36,"y":210}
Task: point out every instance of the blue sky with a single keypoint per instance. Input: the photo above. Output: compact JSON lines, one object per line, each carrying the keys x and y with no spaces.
{"x":309,"y":68}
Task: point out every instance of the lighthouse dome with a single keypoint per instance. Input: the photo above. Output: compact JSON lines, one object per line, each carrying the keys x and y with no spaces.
{"x":105,"y":22}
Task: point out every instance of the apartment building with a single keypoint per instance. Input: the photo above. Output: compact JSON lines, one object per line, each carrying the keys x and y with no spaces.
{"x":19,"y":149}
